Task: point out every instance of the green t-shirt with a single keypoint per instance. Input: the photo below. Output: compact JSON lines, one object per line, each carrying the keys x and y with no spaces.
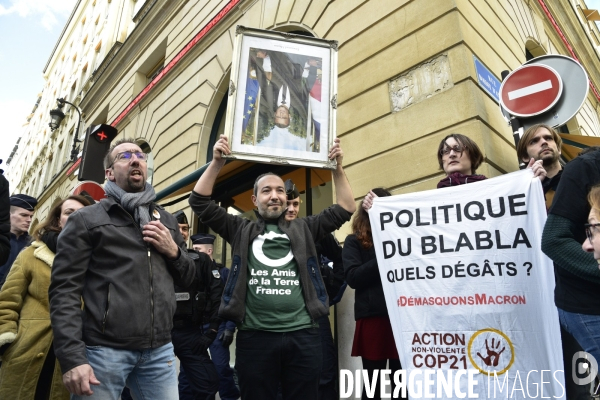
{"x":274,"y":299}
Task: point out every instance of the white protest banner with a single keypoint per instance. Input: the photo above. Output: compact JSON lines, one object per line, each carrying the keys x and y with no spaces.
{"x":468,"y":288}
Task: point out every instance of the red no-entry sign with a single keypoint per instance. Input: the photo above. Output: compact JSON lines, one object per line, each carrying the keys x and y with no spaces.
{"x":92,"y":188}
{"x":530,"y":90}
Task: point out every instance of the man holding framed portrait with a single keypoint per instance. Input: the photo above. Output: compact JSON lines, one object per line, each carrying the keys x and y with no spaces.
{"x":275,"y":291}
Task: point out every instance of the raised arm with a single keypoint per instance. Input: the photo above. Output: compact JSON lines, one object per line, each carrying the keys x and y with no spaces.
{"x":208,"y":211}
{"x":207,"y":180}
{"x":343,"y":191}
{"x":559,"y":243}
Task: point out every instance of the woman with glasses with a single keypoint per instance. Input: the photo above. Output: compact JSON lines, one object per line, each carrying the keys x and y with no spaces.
{"x":29,"y":368}
{"x":459,"y":157}
{"x":373,"y":337}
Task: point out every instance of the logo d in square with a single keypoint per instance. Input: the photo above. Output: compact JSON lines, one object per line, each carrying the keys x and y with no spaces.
{"x":584,"y":368}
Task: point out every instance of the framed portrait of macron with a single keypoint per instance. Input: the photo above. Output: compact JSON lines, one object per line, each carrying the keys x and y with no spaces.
{"x":282,"y":98}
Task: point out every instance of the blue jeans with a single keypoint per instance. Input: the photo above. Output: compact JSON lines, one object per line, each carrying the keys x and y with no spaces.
{"x":149,"y":373}
{"x":585,"y":329}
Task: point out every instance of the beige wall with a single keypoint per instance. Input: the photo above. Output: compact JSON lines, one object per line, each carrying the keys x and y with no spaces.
{"x":379,"y":40}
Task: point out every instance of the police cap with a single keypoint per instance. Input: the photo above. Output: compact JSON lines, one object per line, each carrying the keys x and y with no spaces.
{"x":291,"y":191}
{"x":181,"y":217}
{"x":203,"y":238}
{"x":23,"y":201}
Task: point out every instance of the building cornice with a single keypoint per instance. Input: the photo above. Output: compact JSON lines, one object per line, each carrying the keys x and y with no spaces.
{"x":106,"y":62}
{"x":60,"y":38}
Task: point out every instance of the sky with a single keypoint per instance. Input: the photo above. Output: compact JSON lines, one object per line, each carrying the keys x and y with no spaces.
{"x":29,"y":30}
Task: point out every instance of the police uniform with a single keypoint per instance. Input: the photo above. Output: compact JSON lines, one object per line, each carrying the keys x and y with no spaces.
{"x":219,"y":349}
{"x":16,"y":243}
{"x":196,"y":304}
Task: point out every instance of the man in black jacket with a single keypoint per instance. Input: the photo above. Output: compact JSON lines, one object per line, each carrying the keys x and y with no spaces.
{"x":333,"y":277}
{"x":577,"y":274}
{"x":121,"y":256}
{"x":219,"y":349}
{"x":542,"y":142}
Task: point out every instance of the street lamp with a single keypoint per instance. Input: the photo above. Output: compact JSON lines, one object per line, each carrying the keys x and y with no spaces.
{"x":57,"y":116}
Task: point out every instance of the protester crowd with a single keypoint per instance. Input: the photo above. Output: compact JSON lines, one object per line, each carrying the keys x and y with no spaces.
{"x":105,"y":295}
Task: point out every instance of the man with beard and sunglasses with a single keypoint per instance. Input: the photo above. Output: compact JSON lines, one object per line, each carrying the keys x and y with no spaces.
{"x":112,"y":296}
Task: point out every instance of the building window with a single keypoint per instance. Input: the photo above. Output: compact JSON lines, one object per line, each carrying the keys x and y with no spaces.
{"x":150,"y":68}
{"x":155,"y":70}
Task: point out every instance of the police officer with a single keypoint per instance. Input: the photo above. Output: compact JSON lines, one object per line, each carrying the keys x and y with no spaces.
{"x":219,"y":349}
{"x":198,"y":378}
{"x":21,"y":214}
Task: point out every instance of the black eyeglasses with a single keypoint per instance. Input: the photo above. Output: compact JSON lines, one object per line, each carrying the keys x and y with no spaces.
{"x":126,"y":156}
{"x":457,"y":149}
{"x":589,"y":232}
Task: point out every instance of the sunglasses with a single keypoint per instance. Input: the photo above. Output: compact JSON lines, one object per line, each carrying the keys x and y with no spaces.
{"x":589,"y":232}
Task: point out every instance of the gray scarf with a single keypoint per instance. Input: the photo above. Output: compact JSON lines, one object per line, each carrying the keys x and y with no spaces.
{"x":136,"y":204}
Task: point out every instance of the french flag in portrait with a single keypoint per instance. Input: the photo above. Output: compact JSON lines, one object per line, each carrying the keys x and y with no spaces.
{"x":315,"y":107}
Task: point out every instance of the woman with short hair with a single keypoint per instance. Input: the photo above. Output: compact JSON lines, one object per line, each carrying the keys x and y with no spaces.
{"x":459,"y":157}
{"x":29,"y":368}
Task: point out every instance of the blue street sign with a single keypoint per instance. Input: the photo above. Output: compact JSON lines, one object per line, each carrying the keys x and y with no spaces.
{"x":487,"y":80}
